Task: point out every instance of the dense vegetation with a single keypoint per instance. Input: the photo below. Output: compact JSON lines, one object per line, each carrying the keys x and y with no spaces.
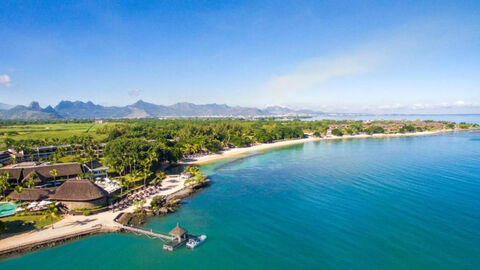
{"x":135,"y":146}
{"x":185,"y":137}
{"x":135,"y":149}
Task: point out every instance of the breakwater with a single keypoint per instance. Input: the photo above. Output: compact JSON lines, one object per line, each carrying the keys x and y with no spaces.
{"x":54,"y":241}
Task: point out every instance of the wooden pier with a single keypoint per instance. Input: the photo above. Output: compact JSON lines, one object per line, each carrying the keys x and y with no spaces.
{"x":147,"y":233}
{"x":175,"y":238}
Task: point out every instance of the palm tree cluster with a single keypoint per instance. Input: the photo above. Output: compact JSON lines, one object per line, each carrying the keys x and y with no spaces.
{"x":4,"y":183}
{"x":51,"y":213}
{"x":134,"y":159}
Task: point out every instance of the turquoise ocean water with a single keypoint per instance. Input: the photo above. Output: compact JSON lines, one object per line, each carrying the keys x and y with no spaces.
{"x":396,"y":203}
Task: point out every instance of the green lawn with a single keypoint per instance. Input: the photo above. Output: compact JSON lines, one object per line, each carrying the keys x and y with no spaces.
{"x":14,"y":223}
{"x":55,"y":130}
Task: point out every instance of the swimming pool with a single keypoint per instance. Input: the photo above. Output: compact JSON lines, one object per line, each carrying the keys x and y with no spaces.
{"x":7,"y":209}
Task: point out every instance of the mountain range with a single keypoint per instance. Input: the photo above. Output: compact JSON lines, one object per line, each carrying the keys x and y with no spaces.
{"x":140,"y":109}
{"x":4,"y":106}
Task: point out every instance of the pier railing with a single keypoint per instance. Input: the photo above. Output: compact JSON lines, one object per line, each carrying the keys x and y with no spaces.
{"x":147,"y":233}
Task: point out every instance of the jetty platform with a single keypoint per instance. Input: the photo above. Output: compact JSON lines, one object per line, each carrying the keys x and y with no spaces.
{"x":175,"y":238}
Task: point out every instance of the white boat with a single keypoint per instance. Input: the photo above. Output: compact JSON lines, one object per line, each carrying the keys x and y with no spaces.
{"x":194,"y":242}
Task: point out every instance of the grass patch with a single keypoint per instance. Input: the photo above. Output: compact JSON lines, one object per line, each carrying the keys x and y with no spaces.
{"x":52,"y":130}
{"x":195,"y":180}
{"x":30,"y":222}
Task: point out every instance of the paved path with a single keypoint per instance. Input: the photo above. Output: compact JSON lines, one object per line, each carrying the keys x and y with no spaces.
{"x":77,"y":224}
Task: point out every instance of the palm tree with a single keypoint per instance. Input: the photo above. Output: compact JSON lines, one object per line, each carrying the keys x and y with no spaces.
{"x":145,"y":174}
{"x":187,"y":149}
{"x":13,"y":158}
{"x":78,"y":154}
{"x":147,"y":165}
{"x":139,"y":205}
{"x":159,"y":176}
{"x":30,"y":183}
{"x":90,"y":156}
{"x":4,"y":184}
{"x":51,"y":213}
{"x":54,"y":173}
{"x":18,"y":189}
{"x":192,"y":170}
{"x":134,"y":175}
{"x":122,"y":183}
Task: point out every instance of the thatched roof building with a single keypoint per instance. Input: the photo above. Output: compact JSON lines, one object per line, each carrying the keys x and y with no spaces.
{"x":20,"y":172}
{"x":32,"y":194}
{"x":78,"y":190}
{"x":178,"y":232}
{"x":72,"y":193}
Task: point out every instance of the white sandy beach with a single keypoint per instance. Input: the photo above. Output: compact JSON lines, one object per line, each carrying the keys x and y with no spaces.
{"x":237,"y":152}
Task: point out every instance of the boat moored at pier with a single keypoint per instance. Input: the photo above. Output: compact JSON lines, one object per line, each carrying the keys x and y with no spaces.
{"x":193,"y":242}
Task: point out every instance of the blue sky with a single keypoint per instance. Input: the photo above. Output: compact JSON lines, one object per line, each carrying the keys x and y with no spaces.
{"x":358,"y":56}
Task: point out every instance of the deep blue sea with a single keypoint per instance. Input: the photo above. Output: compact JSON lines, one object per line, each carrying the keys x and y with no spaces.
{"x":392,"y":203}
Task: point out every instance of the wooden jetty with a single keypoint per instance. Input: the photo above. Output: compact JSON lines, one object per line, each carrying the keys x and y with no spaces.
{"x":179,"y":235}
{"x":147,"y":233}
{"x":175,"y":238}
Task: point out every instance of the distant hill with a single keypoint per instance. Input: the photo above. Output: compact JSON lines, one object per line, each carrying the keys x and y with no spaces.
{"x":4,"y":106}
{"x":140,"y":109}
{"x":88,"y":110}
{"x":31,"y":112}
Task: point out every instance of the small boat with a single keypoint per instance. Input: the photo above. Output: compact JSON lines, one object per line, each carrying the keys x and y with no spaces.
{"x":194,"y":242}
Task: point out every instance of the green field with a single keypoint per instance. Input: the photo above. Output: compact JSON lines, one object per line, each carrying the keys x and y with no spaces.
{"x":50,"y":131}
{"x":19,"y":223}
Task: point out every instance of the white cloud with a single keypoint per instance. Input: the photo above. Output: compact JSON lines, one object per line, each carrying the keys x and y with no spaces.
{"x":134,"y":92}
{"x":315,"y":72}
{"x":379,"y":71}
{"x":5,"y":80}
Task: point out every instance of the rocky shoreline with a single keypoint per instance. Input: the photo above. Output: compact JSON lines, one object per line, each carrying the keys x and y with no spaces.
{"x":167,"y":204}
{"x":164,"y":206}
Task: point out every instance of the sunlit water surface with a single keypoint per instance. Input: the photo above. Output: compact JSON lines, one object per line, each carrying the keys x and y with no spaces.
{"x":397,"y":203}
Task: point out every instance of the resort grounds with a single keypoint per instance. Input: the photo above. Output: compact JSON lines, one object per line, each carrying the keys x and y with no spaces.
{"x":149,"y":145}
{"x":78,"y":224}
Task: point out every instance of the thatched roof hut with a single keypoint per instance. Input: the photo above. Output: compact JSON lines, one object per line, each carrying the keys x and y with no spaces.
{"x":63,"y":169}
{"x":178,"y":231}
{"x":32,"y":194}
{"x":20,"y":172}
{"x":79,"y":190}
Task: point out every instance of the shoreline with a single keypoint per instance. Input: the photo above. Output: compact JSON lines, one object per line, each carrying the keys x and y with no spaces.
{"x":73,"y":227}
{"x":242,"y":151}
{"x":76,"y":227}
{"x":55,"y":241}
{"x":104,"y":223}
